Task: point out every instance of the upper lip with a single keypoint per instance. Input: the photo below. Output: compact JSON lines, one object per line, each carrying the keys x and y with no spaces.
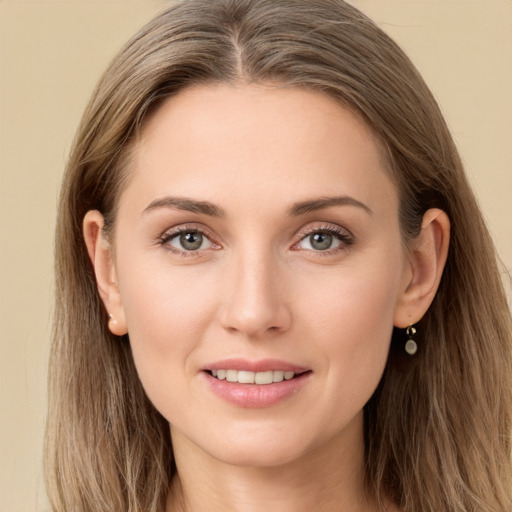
{"x":262,"y":365}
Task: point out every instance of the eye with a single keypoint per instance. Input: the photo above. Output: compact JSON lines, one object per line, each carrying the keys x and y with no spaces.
{"x":325,"y":239}
{"x":187,"y":240}
{"x":319,"y":241}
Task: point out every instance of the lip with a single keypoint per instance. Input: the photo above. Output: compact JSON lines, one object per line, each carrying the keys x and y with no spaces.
{"x":256,"y":396}
{"x":263,"y":365}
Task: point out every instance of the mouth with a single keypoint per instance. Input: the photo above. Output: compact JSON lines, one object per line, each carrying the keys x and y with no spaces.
{"x":256,"y":384}
{"x":258,"y":378}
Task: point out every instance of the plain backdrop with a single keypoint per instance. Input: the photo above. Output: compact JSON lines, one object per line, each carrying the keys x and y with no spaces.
{"x":52,"y":53}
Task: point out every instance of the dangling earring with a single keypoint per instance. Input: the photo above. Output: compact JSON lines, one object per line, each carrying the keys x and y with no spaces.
{"x":411,"y":346}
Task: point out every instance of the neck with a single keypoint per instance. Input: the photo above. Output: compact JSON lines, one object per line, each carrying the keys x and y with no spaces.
{"x":327,"y":478}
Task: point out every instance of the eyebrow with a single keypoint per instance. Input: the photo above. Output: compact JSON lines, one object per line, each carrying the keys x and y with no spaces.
{"x":207,"y":208}
{"x":185,"y":204}
{"x":321,"y":203}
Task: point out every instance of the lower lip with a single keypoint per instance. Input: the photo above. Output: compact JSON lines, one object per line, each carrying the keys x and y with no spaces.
{"x":256,"y":396}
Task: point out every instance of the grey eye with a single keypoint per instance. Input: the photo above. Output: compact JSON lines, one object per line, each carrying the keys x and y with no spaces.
{"x":320,"y":241}
{"x":190,"y":240}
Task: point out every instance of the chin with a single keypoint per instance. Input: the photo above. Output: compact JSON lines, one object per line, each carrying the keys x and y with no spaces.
{"x":262,"y":446}
{"x":257,"y":457}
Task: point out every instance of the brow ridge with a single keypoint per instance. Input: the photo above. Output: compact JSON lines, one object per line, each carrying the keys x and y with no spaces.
{"x":320,"y":203}
{"x":185,"y":204}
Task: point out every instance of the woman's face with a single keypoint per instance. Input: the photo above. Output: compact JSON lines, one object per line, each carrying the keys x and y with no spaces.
{"x":258,"y":239}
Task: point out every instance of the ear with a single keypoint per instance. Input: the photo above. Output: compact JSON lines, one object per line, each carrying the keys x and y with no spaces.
{"x":427,"y":260}
{"x":100,"y":253}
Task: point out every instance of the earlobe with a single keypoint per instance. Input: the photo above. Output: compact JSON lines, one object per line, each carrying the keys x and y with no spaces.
{"x":427,"y":260}
{"x":100,"y":254}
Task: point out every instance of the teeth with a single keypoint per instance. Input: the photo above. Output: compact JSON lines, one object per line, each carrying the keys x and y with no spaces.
{"x":231,"y":375}
{"x":245,"y":377}
{"x":263,"y":377}
{"x":278,"y":376}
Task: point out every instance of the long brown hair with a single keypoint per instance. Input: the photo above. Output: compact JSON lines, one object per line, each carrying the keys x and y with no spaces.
{"x":437,"y":429}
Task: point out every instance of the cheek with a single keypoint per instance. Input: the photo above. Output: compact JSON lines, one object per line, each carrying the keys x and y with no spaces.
{"x":163,"y":303}
{"x":351,"y":321}
{"x":356,"y":301}
{"x":166,"y":314}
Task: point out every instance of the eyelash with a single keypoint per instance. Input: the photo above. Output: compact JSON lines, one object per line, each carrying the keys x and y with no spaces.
{"x":166,"y":237}
{"x":342,"y":235}
{"x":345,"y":237}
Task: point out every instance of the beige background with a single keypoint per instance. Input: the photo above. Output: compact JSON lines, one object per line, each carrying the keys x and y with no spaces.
{"x":51,"y":54}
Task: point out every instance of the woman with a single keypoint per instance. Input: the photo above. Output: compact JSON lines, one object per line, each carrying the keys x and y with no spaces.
{"x":280,"y":290}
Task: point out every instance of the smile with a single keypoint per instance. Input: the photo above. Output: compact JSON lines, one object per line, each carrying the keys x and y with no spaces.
{"x":248,"y":377}
{"x":256,"y":389}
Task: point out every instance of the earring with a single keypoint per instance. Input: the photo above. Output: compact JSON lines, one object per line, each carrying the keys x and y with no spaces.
{"x":411,"y":346}
{"x":112,"y":321}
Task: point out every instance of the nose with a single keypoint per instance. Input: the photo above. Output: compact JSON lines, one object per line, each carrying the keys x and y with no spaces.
{"x":255,"y":303}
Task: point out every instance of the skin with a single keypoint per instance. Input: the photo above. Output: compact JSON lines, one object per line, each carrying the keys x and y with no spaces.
{"x":258,"y":287}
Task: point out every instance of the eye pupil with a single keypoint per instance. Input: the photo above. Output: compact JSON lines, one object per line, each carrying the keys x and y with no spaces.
{"x":191,"y":240}
{"x":321,"y":241}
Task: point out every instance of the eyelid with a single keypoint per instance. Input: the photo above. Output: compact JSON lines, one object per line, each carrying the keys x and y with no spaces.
{"x":344,"y":235}
{"x":174,"y":231}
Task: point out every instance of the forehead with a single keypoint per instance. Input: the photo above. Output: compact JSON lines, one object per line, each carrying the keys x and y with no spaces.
{"x":212,"y":141}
